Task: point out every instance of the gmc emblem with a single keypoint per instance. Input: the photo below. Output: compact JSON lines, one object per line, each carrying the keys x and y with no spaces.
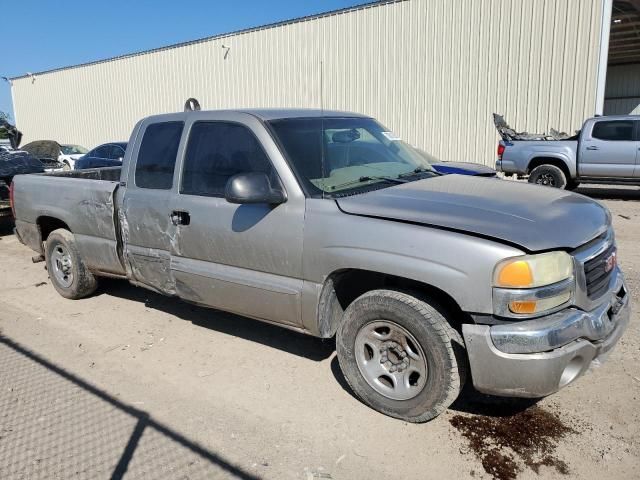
{"x":610,"y":262}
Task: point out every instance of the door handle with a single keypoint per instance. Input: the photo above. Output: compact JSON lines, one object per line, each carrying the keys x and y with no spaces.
{"x":593,"y":147}
{"x":180,"y":217}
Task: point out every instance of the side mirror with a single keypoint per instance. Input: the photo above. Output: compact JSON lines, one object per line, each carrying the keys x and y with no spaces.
{"x":253,"y":187}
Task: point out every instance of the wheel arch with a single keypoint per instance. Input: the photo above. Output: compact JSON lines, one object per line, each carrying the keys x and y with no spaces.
{"x":47,"y":224}
{"x":559,"y":162}
{"x":342,"y":287}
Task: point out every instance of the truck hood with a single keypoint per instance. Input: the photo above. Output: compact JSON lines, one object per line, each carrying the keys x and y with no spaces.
{"x":532,"y":217}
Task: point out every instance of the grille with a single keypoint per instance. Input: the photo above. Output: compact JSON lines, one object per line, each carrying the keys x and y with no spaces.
{"x":596,"y":275}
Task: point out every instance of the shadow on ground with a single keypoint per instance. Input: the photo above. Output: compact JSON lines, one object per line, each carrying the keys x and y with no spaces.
{"x":470,"y":400}
{"x":54,"y":424}
{"x":6,"y":227}
{"x":273,"y":336}
{"x":611,"y":193}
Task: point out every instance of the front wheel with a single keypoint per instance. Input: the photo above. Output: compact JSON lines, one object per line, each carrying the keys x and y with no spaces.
{"x":69,"y":275}
{"x":400,"y":355}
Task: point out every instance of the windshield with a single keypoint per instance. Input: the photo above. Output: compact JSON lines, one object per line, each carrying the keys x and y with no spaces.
{"x":73,"y":149}
{"x":338,"y":156}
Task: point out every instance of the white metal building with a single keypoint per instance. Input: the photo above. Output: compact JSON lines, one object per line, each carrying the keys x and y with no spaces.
{"x":432,"y":70}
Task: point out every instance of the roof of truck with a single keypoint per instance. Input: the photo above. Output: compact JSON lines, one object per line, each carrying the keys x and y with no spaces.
{"x":267,"y":114}
{"x":616,"y":117}
{"x":282,"y":113}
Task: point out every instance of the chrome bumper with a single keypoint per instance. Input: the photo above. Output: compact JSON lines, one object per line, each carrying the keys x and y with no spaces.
{"x":537,"y":357}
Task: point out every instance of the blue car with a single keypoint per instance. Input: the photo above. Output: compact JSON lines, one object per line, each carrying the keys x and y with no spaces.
{"x":106,"y":155}
{"x":464,"y":168}
{"x":461,"y":168}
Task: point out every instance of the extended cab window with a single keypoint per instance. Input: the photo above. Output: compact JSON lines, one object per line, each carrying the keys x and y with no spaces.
{"x":619,"y":130}
{"x":218,"y":150}
{"x":157,"y":156}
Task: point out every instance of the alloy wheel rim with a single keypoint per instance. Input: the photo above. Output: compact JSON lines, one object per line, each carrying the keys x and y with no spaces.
{"x":391,"y":360}
{"x":546,"y":179}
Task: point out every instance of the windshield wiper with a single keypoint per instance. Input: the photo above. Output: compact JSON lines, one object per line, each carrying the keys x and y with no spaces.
{"x":367,"y":178}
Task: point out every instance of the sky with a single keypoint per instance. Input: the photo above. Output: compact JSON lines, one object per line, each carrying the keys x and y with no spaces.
{"x":43,"y":34}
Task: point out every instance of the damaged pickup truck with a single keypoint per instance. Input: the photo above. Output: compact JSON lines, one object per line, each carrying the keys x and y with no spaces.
{"x":328,"y":224}
{"x":606,"y":150}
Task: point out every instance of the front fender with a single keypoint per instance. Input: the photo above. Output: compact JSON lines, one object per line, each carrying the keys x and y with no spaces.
{"x":460,"y":265}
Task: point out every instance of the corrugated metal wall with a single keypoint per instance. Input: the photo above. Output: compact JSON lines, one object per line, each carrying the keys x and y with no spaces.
{"x":432,"y":70}
{"x":623,"y":90}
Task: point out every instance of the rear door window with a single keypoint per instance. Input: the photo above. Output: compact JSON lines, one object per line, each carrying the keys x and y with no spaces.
{"x":157,"y":156}
{"x":218,"y":150}
{"x":115,"y":152}
{"x":613,"y":130}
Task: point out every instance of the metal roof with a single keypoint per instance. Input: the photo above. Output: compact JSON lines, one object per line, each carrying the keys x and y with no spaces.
{"x":624,"y":39}
{"x":371,"y":4}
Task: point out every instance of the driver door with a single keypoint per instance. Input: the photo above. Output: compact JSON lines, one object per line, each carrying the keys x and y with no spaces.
{"x":245,"y":259}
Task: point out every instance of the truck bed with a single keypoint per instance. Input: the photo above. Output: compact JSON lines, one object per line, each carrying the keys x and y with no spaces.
{"x":519,"y":153}
{"x":110,"y":174}
{"x":84,"y":200}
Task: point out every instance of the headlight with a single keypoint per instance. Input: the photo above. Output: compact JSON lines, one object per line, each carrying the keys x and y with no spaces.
{"x":532,"y":271}
{"x":533,"y":284}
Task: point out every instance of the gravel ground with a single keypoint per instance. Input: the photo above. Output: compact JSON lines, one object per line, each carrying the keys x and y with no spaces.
{"x":131,"y":383}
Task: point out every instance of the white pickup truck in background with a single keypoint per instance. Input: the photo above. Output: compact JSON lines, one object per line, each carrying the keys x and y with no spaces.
{"x":605,"y":150}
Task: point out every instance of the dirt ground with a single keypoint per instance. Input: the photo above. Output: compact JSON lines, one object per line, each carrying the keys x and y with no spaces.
{"x":129,"y":381}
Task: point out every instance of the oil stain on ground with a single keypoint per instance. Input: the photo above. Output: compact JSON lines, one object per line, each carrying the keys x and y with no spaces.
{"x":502,"y":443}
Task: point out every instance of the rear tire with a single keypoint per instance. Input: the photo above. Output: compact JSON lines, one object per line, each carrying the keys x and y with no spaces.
{"x":548,"y":175}
{"x":68,"y":273}
{"x":400,"y":355}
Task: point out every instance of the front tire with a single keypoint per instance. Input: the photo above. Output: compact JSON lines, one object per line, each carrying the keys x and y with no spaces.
{"x":548,"y":175}
{"x":400,"y":355}
{"x":68,"y":273}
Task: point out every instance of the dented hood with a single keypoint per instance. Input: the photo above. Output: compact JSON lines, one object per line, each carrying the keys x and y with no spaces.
{"x":533,"y":217}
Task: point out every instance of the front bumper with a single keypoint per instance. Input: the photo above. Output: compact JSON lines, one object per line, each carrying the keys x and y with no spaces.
{"x":559,"y":347}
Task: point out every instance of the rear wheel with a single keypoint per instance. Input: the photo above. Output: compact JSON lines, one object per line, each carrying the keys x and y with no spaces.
{"x":68,"y":273}
{"x":548,"y":175}
{"x":400,"y":355}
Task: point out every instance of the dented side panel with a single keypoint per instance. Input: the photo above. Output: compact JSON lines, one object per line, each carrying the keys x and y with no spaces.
{"x":147,"y":232}
{"x":86,"y":206}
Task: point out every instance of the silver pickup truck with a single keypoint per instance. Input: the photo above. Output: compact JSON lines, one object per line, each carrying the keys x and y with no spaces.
{"x":606,"y":150}
{"x":328,"y":224}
